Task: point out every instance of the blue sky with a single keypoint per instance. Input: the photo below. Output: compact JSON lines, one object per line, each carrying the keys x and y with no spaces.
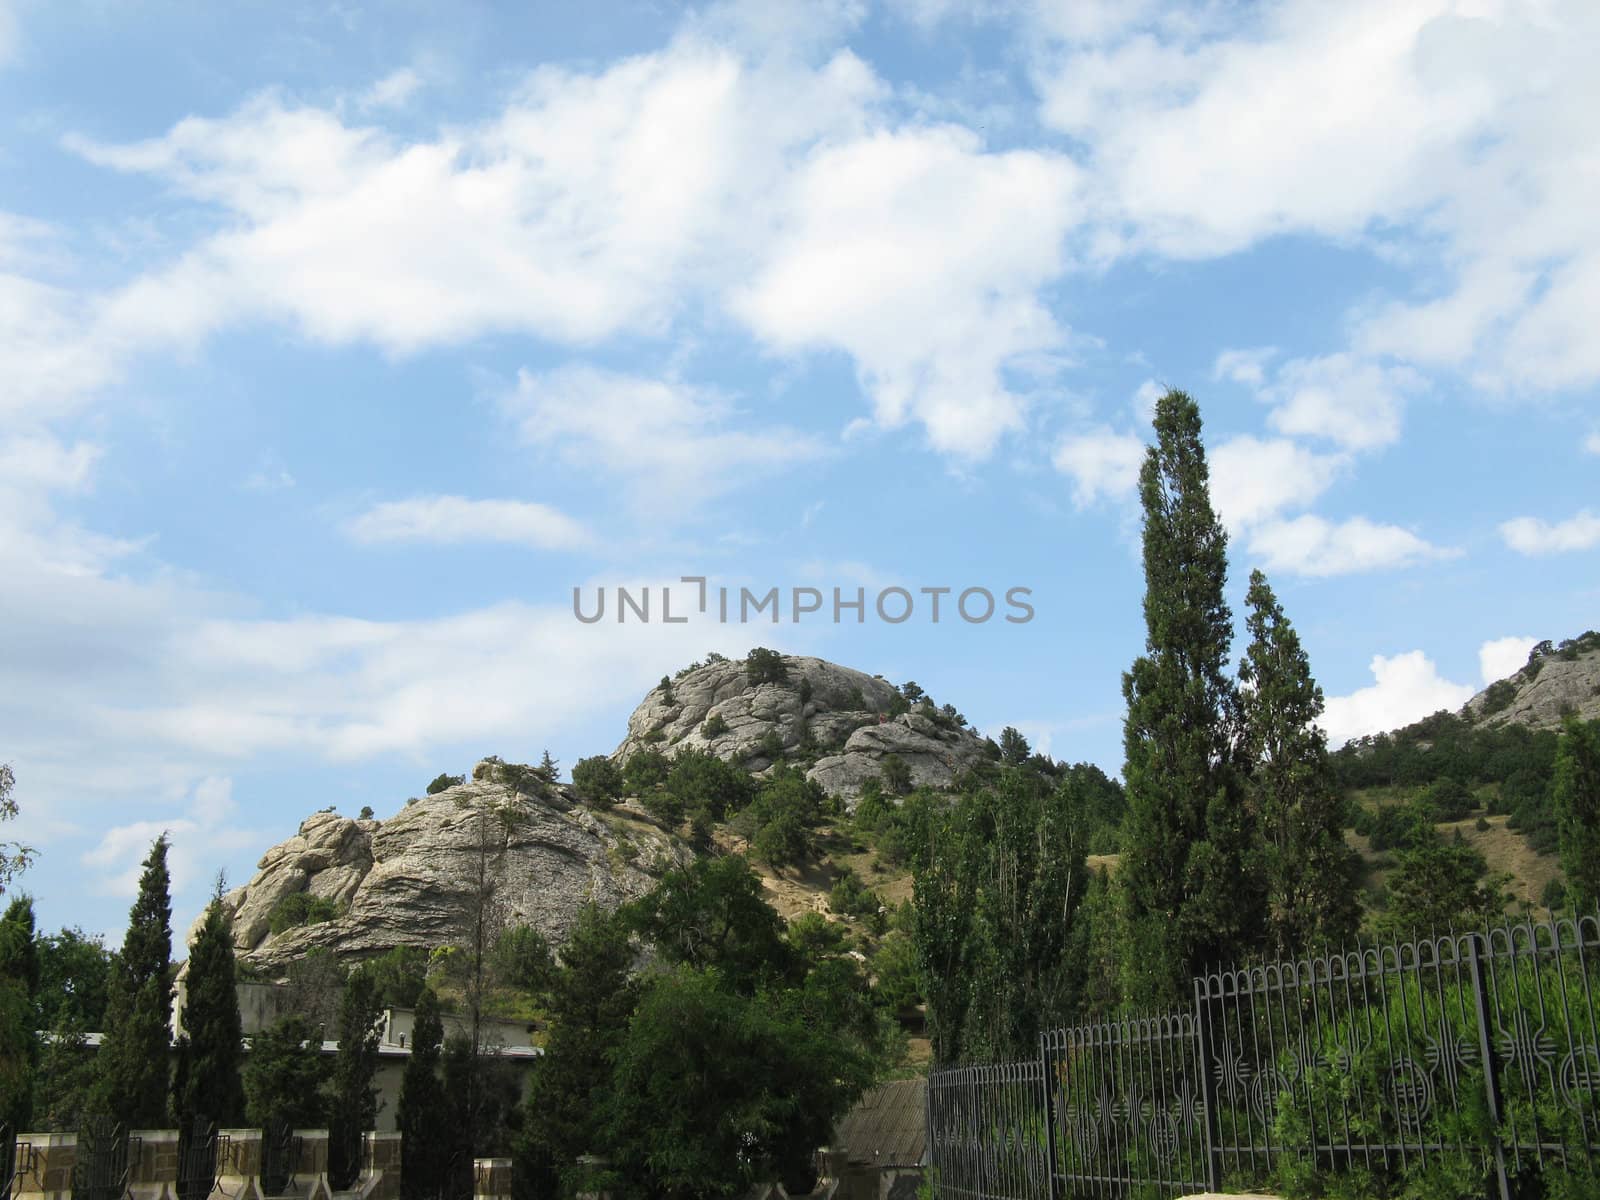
{"x":341,"y":342}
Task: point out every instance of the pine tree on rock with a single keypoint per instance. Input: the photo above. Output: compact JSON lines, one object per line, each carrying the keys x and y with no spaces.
{"x":211,"y":1090}
{"x":1193,"y":890}
{"x":421,"y":1116}
{"x":131,"y":1066}
{"x":1311,"y":872}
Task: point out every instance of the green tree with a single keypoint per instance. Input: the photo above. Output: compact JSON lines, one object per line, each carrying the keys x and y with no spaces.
{"x":765,"y":666}
{"x":19,"y":1042}
{"x":14,"y":856}
{"x":704,"y":788}
{"x":352,"y":1100}
{"x":1576,"y":793}
{"x":1014,"y":748}
{"x":422,"y":1116}
{"x":896,"y":774}
{"x":591,"y":999}
{"x":74,"y":974}
{"x":443,"y":781}
{"x":522,"y":960}
{"x":1194,"y":892}
{"x":645,"y":771}
{"x":597,"y":780}
{"x":712,"y":1091}
{"x":1439,"y":885}
{"x":283,"y":1074}
{"x":399,"y":976}
{"x":1311,"y":874}
{"x":782,"y":819}
{"x":132,"y":1064}
{"x":711,"y":915}
{"x":212,"y":1042}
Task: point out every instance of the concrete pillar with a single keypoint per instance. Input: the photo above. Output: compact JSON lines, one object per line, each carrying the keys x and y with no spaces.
{"x":491,"y":1179}
{"x":153,"y":1164}
{"x":44,"y":1166}
{"x":239,"y":1172}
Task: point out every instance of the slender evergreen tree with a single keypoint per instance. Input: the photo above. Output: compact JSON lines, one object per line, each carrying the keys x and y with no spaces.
{"x":1311,"y":872}
{"x":213,"y":1036}
{"x":352,"y":1100}
{"x":1576,"y":791}
{"x":131,"y":1068}
{"x":1194,"y":893}
{"x":19,"y":1042}
{"x":421,"y":1117}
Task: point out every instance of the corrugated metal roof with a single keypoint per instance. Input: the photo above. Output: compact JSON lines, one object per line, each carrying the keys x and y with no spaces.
{"x":888,"y":1127}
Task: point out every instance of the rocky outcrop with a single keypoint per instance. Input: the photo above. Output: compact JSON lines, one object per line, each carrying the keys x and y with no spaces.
{"x":839,"y":722}
{"x":1559,"y":680}
{"x":412,"y":880}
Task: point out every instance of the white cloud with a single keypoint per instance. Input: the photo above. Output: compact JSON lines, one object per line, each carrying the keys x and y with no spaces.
{"x":1254,"y":479}
{"x":1314,"y":546}
{"x":665,"y":440}
{"x":922,"y":257}
{"x":1530,"y":535}
{"x":205,"y":832}
{"x":1408,"y":687}
{"x":1244,"y":366}
{"x":1354,"y":403}
{"x":1456,"y":132}
{"x":450,"y":520}
{"x":394,"y":90}
{"x":1503,"y":656}
{"x":1101,"y":463}
{"x":1591,"y":444}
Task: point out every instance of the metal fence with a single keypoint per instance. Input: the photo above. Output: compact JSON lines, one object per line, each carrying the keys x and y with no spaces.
{"x":1476,"y":1051}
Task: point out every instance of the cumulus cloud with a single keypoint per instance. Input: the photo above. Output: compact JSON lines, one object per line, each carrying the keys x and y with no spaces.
{"x":922,"y":257}
{"x":1407,"y":688}
{"x":1314,"y":546}
{"x":667,"y":440}
{"x":1353,"y":403}
{"x":1504,"y":656}
{"x":1530,"y":535}
{"x":1100,"y":463}
{"x":1456,"y":133}
{"x":205,"y":830}
{"x":452,"y":520}
{"x":1253,"y":479}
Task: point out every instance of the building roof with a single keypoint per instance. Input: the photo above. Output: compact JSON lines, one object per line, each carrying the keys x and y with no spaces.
{"x":888,"y":1126}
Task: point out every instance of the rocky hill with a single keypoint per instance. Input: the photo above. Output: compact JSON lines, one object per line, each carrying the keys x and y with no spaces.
{"x":1560,"y":678}
{"x":842,"y":723}
{"x":361,"y":887}
{"x":411,"y":880}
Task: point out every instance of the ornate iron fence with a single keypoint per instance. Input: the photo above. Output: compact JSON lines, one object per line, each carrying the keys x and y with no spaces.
{"x":1476,"y":1052}
{"x":280,"y":1154}
{"x":105,"y":1152}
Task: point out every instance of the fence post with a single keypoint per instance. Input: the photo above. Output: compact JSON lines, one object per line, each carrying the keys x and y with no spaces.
{"x":1205,"y":1052}
{"x":1052,"y":1187}
{"x":1491,"y":1073}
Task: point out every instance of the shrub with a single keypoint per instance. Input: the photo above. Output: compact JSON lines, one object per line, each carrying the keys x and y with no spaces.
{"x":782,"y":817}
{"x":1499,"y":696}
{"x":365,"y":814}
{"x":770,"y":747}
{"x":1449,"y":799}
{"x":705,"y":788}
{"x":714,"y":726}
{"x":896,"y":775}
{"x":441,"y":782}
{"x":1554,"y":895}
{"x":301,"y":908}
{"x":646,"y":770}
{"x":1482,"y":825}
{"x":765,"y":666}
{"x":597,"y":780}
{"x":850,"y":897}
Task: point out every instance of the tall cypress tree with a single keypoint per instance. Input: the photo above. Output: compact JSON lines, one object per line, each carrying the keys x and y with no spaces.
{"x":19,"y":1043}
{"x":131,"y":1068}
{"x":1311,"y":873}
{"x":1194,"y":896}
{"x":352,"y":1100}
{"x":213,"y":1052}
{"x":1576,"y":791}
{"x":421,"y":1117}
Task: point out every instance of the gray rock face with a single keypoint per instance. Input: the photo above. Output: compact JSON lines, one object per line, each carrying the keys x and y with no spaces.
{"x":411,"y":880}
{"x":833,"y":715}
{"x":1544,"y":696}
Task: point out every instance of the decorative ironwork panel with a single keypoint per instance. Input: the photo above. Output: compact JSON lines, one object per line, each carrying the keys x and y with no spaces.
{"x":280,"y":1155}
{"x":987,"y":1133}
{"x":100,"y":1170}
